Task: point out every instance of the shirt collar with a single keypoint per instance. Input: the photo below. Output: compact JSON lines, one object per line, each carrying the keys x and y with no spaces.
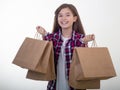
{"x":59,"y":33}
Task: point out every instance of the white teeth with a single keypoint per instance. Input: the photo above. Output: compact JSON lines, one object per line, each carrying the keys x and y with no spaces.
{"x":64,"y":22}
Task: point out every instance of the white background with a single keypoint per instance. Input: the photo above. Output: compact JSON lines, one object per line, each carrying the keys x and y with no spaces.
{"x":18,"y":19}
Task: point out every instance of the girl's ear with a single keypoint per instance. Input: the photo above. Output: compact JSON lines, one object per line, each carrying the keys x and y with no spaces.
{"x":75,"y":18}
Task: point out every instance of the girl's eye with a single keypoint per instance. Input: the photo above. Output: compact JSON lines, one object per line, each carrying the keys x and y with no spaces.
{"x":62,"y":15}
{"x":68,"y":15}
{"x":59,"y":15}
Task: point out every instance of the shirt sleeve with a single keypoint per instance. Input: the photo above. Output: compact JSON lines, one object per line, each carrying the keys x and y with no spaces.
{"x":79,"y":41}
{"x":48,"y":36}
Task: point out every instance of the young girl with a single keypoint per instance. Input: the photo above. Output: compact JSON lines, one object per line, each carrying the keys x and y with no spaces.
{"x":67,"y":34}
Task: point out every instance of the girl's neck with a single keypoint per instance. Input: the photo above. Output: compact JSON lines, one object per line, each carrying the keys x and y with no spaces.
{"x":67,"y":33}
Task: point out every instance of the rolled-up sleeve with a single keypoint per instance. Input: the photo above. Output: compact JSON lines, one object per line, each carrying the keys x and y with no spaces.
{"x":79,"y":41}
{"x":48,"y":37}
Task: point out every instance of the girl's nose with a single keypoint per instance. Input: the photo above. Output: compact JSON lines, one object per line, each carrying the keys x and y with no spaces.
{"x":64,"y":17}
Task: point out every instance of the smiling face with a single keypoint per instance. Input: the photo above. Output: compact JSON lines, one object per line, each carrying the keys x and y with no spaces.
{"x":66,"y":18}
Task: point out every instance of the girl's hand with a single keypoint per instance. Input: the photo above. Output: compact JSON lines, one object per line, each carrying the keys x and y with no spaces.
{"x":41,"y":30}
{"x":88,"y":38}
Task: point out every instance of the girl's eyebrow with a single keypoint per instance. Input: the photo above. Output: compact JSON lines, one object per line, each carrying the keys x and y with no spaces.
{"x":67,"y":12}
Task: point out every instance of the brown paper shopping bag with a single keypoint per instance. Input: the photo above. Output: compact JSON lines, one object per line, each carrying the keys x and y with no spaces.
{"x":50,"y":73}
{"x":93,"y":63}
{"x":34,"y":55}
{"x":81,"y":84}
{"x":90,"y":64}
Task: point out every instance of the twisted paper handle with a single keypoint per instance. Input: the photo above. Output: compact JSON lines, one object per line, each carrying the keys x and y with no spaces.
{"x":38,"y":36}
{"x":94,"y":43}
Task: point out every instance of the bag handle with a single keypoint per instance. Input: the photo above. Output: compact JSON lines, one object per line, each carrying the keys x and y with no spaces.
{"x":94,"y":43}
{"x":38,"y":36}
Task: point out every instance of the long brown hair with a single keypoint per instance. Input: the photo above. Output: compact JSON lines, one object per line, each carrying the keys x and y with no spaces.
{"x":77,"y":26}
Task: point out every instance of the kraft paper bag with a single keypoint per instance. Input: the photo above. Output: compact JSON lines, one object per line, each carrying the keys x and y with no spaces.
{"x":49,"y":75}
{"x":34,"y":55}
{"x":81,"y":84}
{"x":93,"y":63}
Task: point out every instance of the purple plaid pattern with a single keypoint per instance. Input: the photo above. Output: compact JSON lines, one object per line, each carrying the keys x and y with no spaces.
{"x":75,"y":41}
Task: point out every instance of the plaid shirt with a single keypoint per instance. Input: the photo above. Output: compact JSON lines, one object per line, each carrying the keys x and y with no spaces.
{"x":74,"y":41}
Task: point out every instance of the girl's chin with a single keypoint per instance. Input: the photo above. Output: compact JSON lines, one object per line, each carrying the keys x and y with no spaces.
{"x":64,"y":27}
